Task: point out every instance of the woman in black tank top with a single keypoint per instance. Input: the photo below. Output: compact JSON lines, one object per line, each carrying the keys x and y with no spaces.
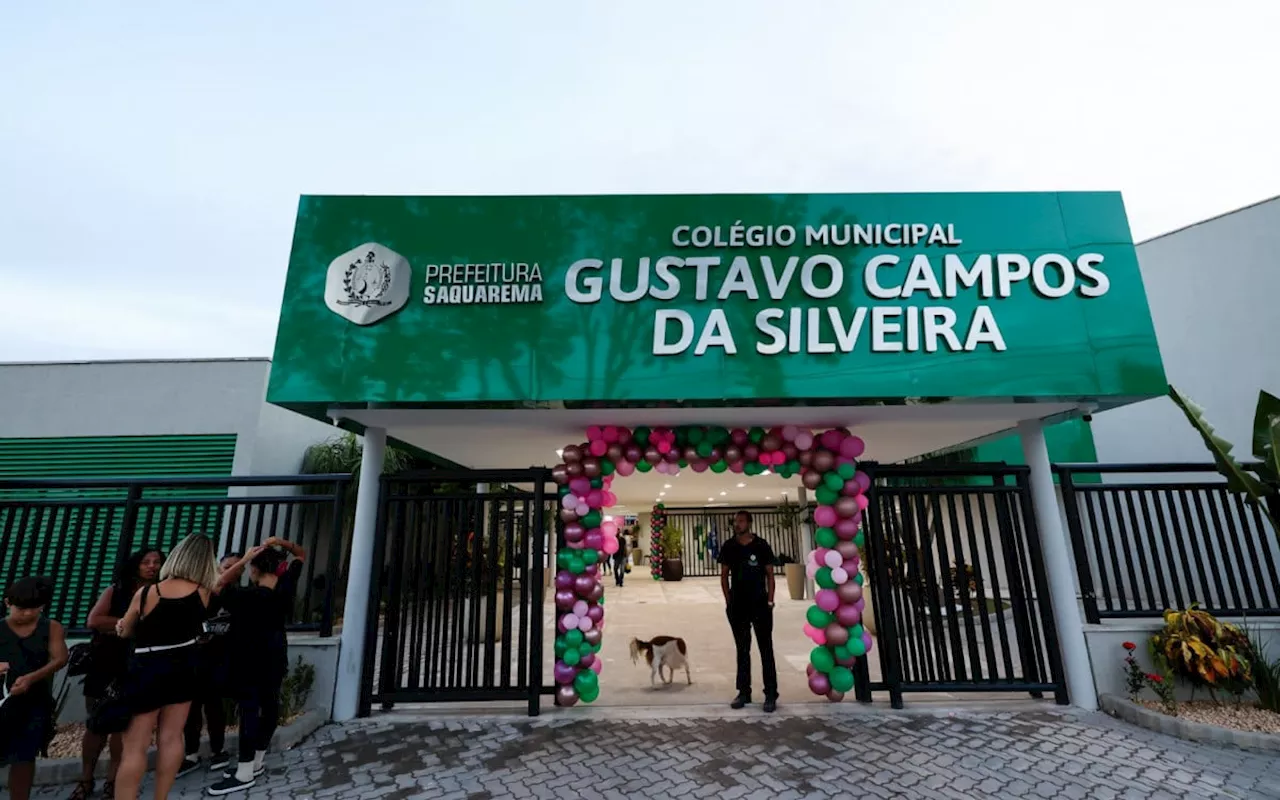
{"x":164,"y":620}
{"x":32,"y":649}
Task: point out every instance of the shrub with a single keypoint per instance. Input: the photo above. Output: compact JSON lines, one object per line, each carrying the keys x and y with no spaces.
{"x":296,"y":690}
{"x":1266,"y":672}
{"x":1204,"y":651}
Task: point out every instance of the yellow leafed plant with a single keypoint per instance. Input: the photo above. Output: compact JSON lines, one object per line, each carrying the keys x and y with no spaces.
{"x":1203,"y":650}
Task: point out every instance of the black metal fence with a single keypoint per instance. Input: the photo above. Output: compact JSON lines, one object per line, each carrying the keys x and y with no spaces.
{"x":960,"y":596}
{"x":1153,"y":537}
{"x":706,"y":529}
{"x":77,"y":531}
{"x":457,"y":614}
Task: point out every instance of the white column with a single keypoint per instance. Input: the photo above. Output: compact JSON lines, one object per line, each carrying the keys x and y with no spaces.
{"x":346,"y":697}
{"x":1059,"y":566}
{"x":806,"y":539}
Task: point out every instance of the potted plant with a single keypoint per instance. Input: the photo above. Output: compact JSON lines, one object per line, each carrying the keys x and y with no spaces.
{"x":672,"y":553}
{"x":794,"y":573}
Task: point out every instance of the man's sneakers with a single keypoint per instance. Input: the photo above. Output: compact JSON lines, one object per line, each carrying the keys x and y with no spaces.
{"x":744,"y":700}
{"x":219,"y":761}
{"x":189,"y":765}
{"x":230,"y":786}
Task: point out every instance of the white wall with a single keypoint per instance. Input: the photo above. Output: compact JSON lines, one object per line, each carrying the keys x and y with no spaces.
{"x":1212,"y":288}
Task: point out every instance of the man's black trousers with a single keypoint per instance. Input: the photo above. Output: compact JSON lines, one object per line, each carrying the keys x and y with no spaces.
{"x":743,"y":619}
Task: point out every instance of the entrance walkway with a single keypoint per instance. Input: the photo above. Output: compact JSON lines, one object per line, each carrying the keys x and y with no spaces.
{"x":694,"y":609}
{"x":1001,"y":754}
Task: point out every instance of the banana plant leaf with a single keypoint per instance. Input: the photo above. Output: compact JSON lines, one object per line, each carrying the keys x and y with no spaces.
{"x":1238,"y":478}
{"x":1266,"y":435}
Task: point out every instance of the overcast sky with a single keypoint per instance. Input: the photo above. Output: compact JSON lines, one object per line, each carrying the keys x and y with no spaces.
{"x":151,"y":158}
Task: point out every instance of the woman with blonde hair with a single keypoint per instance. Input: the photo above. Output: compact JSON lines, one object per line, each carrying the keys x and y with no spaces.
{"x":165,"y":621}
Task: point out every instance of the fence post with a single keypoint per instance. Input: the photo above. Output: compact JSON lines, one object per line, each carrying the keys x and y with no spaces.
{"x":1088,"y":594}
{"x":881,"y":591}
{"x":335,"y":556}
{"x":128,"y":522}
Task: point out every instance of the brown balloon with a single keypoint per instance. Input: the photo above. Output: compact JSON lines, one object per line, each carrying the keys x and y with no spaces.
{"x":691,"y":454}
{"x":716,"y":455}
{"x":770,"y":442}
{"x":811,"y":480}
{"x":568,"y":515}
{"x":846,"y":507}
{"x":652,"y":455}
{"x":633,"y":453}
{"x":847,"y":550}
{"x":571,"y":454}
{"x":559,"y":474}
{"x":837,"y":634}
{"x":733,"y":454}
{"x":751,"y":452}
{"x":614,"y":453}
{"x":574,"y":469}
{"x":835,"y":696}
{"x":790,"y":451}
{"x":591,"y":467}
{"x":806,"y":458}
{"x":849,"y":593}
{"x":823,"y":461}
{"x":593,"y":637}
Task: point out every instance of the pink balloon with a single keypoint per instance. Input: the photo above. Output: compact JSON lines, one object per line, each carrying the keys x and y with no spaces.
{"x":569,"y":501}
{"x":580,"y":486}
{"x":593,"y":433}
{"x":609,"y":433}
{"x":586,"y":624}
{"x":863,"y":480}
{"x":610,"y":546}
{"x":852,"y":447}
{"x":596,"y":666}
{"x":811,"y":570}
{"x":867,"y":641}
{"x":850,"y":489}
{"x":736,"y":467}
{"x":599,"y":447}
{"x":595,"y":498}
{"x":583,"y":509}
{"x":789,"y":433}
{"x":804,"y":440}
{"x":610,"y":499}
{"x":831,"y":440}
{"x":596,"y":542}
{"x":839,"y":575}
{"x":819,"y":638}
{"x":832,"y":558}
{"x":664,"y":446}
{"x":809,"y":669}
{"x":699,"y":466}
{"x":580,"y":608}
{"x":827,"y":600}
{"x":808,"y":630}
{"x":825,"y":516}
{"x":850,"y":566}
{"x":820,"y":556}
{"x":862,"y":502}
{"x":819,"y":684}
{"x":624,"y":434}
{"x":739,"y":436}
{"x":570,"y":621}
{"x":625,"y":468}
{"x":861,"y":605}
{"x":848,"y":616}
{"x":609,"y":528}
{"x":846,"y":529}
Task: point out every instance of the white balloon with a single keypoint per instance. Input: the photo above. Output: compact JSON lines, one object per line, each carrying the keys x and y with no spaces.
{"x":571,"y":621}
{"x":580,"y":608}
{"x":586,"y":624}
{"x":839,"y":575}
{"x":834,"y":559}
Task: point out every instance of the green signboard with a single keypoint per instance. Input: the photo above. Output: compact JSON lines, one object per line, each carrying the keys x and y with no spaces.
{"x":629,"y":299}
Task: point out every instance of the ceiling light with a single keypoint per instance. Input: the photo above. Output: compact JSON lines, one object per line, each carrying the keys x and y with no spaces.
{"x":710,"y":499}
{"x":768,"y":497}
{"x":666,"y":486}
{"x":662,"y":494}
{"x":741,"y":485}
{"x":559,"y":453}
{"x":722,"y":494}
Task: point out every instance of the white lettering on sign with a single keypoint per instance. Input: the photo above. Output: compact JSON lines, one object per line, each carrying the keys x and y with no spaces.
{"x":496,"y":283}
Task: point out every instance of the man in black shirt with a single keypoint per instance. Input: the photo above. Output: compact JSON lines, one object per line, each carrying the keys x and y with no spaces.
{"x":746,"y":578}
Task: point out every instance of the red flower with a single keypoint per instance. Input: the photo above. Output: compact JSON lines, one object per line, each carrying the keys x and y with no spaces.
{"x":1154,"y":678}
{"x":1130,"y":646}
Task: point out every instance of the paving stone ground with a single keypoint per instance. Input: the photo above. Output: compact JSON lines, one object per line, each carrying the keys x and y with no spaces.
{"x":1003,"y":754}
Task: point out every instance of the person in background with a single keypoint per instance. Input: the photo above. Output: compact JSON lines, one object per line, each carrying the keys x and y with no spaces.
{"x":620,"y":559}
{"x":746,"y":578}
{"x":109,"y":662}
{"x":207,"y":709}
{"x":165,"y":621}
{"x":259,"y":650}
{"x":32,"y":649}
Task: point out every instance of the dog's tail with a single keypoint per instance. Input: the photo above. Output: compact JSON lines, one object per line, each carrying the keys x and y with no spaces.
{"x":636,"y":646}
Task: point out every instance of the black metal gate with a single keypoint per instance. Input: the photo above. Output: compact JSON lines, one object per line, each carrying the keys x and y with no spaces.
{"x":705,"y":529}
{"x":456,"y":604}
{"x":960,"y":599}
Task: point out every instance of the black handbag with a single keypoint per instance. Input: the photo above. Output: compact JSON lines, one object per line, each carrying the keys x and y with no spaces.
{"x":80,"y":659}
{"x":113,"y":714}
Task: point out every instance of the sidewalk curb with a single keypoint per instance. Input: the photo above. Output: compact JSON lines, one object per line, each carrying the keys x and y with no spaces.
{"x":62,"y":771}
{"x":1121,"y":708}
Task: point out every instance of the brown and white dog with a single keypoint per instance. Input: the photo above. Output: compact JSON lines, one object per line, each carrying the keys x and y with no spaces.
{"x":659,"y":652}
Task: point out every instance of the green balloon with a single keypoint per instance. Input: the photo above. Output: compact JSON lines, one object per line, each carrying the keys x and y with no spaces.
{"x":571,"y":657}
{"x":833,"y":481}
{"x":564,"y":558}
{"x":719,"y":466}
{"x":826,"y":537}
{"x":563,"y":490}
{"x":683,"y":463}
{"x":824,"y":578}
{"x":560,"y":647}
{"x":860,"y":540}
{"x":597,"y":483}
{"x":643,"y":466}
{"x":793,"y":466}
{"x":751,"y":468}
{"x":821,"y":659}
{"x":755,"y":434}
{"x":584,"y":681}
{"x":841,"y":679}
{"x":718,"y":435}
{"x":590,"y":556}
{"x":591,"y":695}
{"x":846,"y":471}
{"x":856,"y":632}
{"x":858,"y":579}
{"x":856,"y":648}
{"x":641,"y":435}
{"x":592,"y":519}
{"x":704,"y":449}
{"x":573,"y":638}
{"x":826,"y":496}
{"x":817,"y":617}
{"x":842,"y":652}
{"x":606,"y":467}
{"x":696,"y":436}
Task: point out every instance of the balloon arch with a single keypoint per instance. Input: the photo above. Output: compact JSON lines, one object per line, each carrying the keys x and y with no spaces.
{"x":827,"y":464}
